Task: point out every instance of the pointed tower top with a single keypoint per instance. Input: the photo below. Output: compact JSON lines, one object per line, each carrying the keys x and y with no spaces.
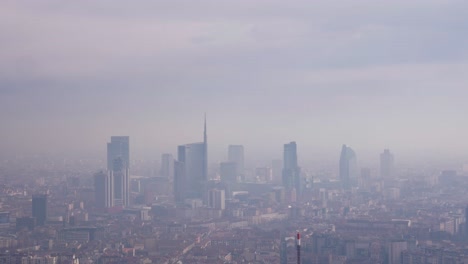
{"x":204,"y":130}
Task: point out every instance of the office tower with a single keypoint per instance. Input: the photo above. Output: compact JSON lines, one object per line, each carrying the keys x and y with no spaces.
{"x":39,"y":208}
{"x":167,"y":165}
{"x":195,"y":159}
{"x":348,"y":167}
{"x":228,"y":172}
{"x":264,"y":174}
{"x":365,"y":179}
{"x":119,"y":147}
{"x":291,"y":171}
{"x":195,"y":169}
{"x":229,"y":177}
{"x":103,"y":190}
{"x":277,"y":170}
{"x":217,"y":199}
{"x":236,"y":155}
{"x":386,"y":164}
{"x":180,"y":182}
{"x":181,"y":153}
{"x":120,"y":178}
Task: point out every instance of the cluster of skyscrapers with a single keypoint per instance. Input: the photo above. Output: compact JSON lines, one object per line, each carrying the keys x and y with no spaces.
{"x":189,"y":172}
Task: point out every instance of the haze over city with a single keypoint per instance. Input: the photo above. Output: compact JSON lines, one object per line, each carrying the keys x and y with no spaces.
{"x":229,"y":132}
{"x":371,"y":74}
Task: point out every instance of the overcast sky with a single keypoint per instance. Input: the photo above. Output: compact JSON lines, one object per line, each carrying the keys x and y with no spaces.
{"x":371,"y":74}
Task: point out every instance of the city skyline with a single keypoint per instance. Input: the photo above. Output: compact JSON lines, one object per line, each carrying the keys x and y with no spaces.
{"x":319,"y":153}
{"x":206,"y":132}
{"x":321,"y":73}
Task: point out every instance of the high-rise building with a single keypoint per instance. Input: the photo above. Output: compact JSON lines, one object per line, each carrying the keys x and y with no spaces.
{"x":365,"y":179}
{"x":277,"y":170}
{"x":39,"y":208}
{"x":121,"y":182}
{"x":167,"y":165}
{"x":118,"y":163}
{"x":348,"y":167}
{"x":119,"y":147}
{"x":195,"y":169}
{"x":103,"y":190}
{"x":291,"y":170}
{"x":386,"y":164}
{"x":180,"y":182}
{"x":236,"y":155}
{"x":217,"y":199}
{"x":195,"y":159}
{"x":228,"y":172}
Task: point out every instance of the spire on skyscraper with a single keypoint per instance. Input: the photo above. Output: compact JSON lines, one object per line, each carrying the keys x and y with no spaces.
{"x":205,"y":143}
{"x":192,"y":174}
{"x":204,"y":132}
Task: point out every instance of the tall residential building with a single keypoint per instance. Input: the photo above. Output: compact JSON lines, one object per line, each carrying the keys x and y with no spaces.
{"x":119,"y":147}
{"x":121,"y":182}
{"x":236,"y":155}
{"x":291,"y":170}
{"x":39,"y":208}
{"x":348,"y":167}
{"x":167,"y":165}
{"x":180,"y":182}
{"x":103,"y":190}
{"x":386,"y":164}
{"x":217,"y":199}
{"x":195,"y":159}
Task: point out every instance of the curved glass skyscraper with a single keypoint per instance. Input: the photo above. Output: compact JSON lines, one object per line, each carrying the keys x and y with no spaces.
{"x":348,"y":168}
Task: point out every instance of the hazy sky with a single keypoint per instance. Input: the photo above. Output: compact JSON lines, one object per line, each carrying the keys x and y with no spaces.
{"x":371,"y":74}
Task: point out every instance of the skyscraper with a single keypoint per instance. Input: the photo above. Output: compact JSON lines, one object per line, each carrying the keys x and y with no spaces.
{"x":291,"y":171}
{"x":119,"y":147}
{"x":167,"y":165}
{"x":39,"y":208}
{"x":103,"y":190}
{"x":228,"y":172}
{"x":195,"y":159}
{"x":277,"y":168}
{"x":118,"y":162}
{"x":386,"y":164}
{"x":348,"y":167}
{"x":180,"y":182}
{"x":365,"y":179}
{"x":236,"y":155}
{"x":120,"y":178}
{"x":217,"y":199}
